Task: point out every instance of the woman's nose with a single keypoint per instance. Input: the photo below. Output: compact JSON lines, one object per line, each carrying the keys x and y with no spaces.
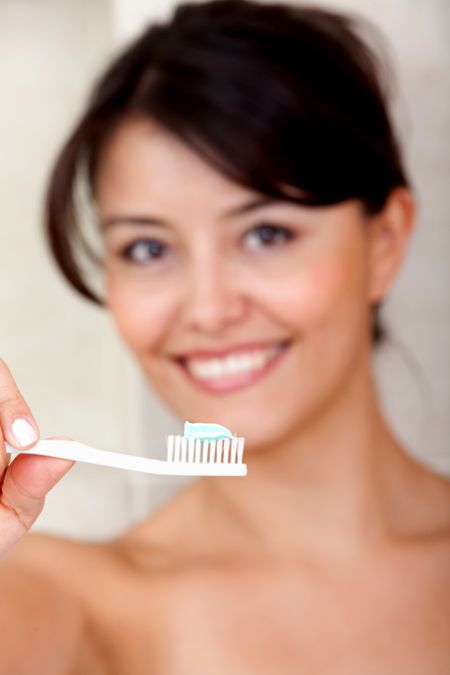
{"x":213,"y":300}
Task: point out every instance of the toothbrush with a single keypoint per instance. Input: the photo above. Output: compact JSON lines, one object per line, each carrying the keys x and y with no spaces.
{"x":185,"y":456}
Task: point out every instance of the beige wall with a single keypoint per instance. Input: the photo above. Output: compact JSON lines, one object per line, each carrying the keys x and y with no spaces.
{"x":62,"y":351}
{"x":76,"y":376}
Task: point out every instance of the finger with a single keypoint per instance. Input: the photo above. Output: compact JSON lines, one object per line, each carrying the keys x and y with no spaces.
{"x":26,"y":482}
{"x":17,"y":423}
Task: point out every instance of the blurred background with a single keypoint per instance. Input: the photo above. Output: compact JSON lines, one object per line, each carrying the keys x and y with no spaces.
{"x":64,"y":353}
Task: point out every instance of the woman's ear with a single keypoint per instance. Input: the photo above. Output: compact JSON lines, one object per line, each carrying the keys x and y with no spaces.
{"x":389,"y":237}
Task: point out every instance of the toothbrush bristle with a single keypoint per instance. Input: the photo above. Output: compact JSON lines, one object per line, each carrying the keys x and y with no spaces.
{"x":170,"y":443}
{"x":220,"y":451}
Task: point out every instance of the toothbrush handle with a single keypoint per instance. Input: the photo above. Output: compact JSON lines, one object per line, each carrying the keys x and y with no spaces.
{"x":82,"y":453}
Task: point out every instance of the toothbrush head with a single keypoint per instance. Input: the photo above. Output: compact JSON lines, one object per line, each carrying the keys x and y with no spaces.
{"x":194,"y":456}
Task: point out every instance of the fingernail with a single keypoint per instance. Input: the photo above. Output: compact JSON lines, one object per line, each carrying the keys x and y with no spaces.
{"x":23,"y":432}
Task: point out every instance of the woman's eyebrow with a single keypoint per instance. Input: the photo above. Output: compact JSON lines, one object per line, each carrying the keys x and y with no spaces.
{"x":153,"y":220}
{"x":254,"y":203}
{"x":124,"y":219}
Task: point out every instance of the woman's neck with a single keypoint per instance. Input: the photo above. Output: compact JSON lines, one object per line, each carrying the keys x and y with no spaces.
{"x":328,"y":489}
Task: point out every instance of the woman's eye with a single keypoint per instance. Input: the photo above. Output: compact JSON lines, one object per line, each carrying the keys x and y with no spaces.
{"x":144,"y":251}
{"x":267,"y":236}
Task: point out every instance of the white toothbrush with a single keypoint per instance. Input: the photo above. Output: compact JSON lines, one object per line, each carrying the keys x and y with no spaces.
{"x":185,"y":457}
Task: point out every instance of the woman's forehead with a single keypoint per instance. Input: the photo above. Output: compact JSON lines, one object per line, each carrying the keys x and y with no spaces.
{"x":142,"y":160}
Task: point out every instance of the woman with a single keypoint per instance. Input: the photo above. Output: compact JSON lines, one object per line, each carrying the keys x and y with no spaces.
{"x":254,"y":212}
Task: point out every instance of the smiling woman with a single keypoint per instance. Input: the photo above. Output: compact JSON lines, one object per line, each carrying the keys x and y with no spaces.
{"x":254,"y":212}
{"x":211,"y":294}
{"x":326,"y":102}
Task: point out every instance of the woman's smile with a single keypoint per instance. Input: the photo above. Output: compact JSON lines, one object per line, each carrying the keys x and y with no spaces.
{"x":233,"y":368}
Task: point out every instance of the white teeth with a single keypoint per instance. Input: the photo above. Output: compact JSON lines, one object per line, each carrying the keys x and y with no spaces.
{"x":215,"y":367}
{"x":237,"y":364}
{"x":208,"y":369}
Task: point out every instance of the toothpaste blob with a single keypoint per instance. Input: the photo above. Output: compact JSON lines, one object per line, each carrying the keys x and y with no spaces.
{"x":206,"y":432}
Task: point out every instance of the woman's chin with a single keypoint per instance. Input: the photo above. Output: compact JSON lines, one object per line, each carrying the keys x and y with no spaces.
{"x":259,"y":428}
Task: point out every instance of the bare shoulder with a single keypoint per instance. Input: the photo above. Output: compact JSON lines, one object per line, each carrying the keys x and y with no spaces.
{"x":97,"y":573}
{"x":43,"y":609}
{"x":59,"y":560}
{"x":135,"y":581}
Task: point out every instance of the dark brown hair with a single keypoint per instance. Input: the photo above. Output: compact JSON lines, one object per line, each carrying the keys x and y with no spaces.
{"x":272,"y":96}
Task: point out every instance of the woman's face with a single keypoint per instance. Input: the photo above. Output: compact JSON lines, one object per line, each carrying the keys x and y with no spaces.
{"x":240,"y":311}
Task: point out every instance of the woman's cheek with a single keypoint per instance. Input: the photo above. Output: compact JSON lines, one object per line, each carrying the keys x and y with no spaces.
{"x":315,"y":295}
{"x":141,"y":316}
{"x":331,"y":309}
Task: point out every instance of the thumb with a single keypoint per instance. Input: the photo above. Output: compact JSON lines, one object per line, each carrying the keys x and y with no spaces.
{"x":29,"y":478}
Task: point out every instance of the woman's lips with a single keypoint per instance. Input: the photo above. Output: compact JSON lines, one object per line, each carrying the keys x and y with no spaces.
{"x":237,"y":369}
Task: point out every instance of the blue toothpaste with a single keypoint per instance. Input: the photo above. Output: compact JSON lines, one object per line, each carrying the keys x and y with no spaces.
{"x":205,"y":432}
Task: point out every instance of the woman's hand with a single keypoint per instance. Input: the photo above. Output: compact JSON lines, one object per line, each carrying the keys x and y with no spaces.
{"x":25,"y":481}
